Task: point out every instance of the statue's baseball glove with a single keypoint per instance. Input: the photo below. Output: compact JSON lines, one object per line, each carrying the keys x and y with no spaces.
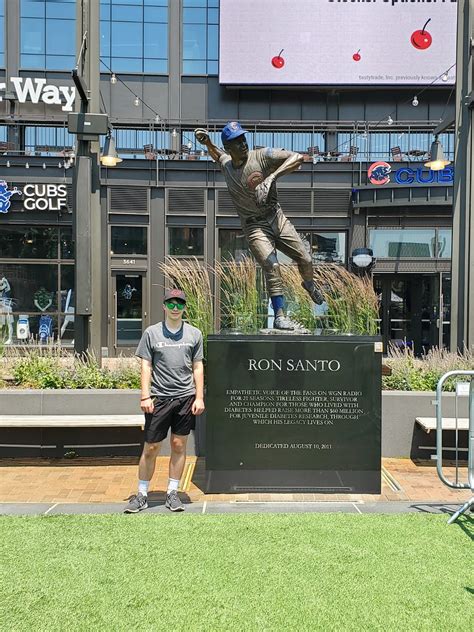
{"x":202,"y":135}
{"x":262,"y":190}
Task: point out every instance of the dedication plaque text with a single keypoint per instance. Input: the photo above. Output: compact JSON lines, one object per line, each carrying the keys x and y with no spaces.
{"x":293,"y":413}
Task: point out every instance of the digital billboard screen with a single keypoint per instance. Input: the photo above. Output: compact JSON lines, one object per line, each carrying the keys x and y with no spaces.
{"x":337,"y":42}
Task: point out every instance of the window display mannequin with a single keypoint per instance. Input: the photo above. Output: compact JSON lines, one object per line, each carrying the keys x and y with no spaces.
{"x":6,"y":316}
{"x":43,"y":300}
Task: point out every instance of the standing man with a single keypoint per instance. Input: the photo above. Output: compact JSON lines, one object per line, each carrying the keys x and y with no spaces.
{"x":250,"y":178}
{"x":172,"y":382}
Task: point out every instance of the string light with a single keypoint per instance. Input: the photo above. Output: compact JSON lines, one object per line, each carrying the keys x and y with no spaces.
{"x":8,"y":163}
{"x":27,"y":165}
{"x":189,"y":145}
{"x":363,"y":136}
{"x":44,"y":165}
{"x":60,"y":165}
{"x":113,"y":79}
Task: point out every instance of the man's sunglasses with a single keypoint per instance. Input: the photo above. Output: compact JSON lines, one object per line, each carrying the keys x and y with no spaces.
{"x":173,"y":304}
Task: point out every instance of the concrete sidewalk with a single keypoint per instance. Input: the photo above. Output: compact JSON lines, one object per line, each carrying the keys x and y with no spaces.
{"x":87,"y":485}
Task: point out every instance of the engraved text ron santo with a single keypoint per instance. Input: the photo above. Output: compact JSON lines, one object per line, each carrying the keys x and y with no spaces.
{"x":290,"y":364}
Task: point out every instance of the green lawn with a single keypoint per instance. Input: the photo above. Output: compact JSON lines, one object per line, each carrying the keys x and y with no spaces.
{"x":236,"y":572}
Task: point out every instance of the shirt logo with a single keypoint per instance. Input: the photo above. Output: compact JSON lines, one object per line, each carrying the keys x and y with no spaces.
{"x":159,"y":345}
{"x":254,"y":179}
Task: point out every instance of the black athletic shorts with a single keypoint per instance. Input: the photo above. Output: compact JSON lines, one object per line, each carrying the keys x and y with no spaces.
{"x":169,"y":413}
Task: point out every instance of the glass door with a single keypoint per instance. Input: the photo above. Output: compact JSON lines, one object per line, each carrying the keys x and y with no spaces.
{"x":129,"y":310}
{"x":409,"y":310}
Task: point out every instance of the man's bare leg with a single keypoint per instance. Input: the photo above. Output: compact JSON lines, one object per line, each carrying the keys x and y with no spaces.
{"x":178,"y":455}
{"x":146,"y":466}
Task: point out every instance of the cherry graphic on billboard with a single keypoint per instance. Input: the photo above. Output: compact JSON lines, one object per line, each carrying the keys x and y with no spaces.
{"x":278,"y":61}
{"x":421,"y":39}
{"x":356,"y":56}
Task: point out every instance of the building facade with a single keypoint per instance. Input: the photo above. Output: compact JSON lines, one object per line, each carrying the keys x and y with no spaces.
{"x":159,"y":81}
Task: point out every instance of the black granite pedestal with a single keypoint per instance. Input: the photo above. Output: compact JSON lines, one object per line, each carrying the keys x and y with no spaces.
{"x":293,"y":413}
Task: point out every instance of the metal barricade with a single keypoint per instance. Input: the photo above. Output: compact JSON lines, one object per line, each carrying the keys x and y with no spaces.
{"x":462,"y":388}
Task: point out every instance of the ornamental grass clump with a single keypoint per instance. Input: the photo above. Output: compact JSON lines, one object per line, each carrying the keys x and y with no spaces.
{"x":241,"y":305}
{"x":350,"y":303}
{"x":410,"y":373}
{"x":192,"y":277}
{"x":298,"y":302}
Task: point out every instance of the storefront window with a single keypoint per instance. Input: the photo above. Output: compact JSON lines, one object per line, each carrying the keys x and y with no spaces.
{"x":200,"y":37}
{"x":128,"y":240}
{"x":324,"y":247}
{"x":405,"y":243}
{"x":328,"y":247}
{"x":22,"y":242}
{"x":185,"y":241}
{"x":67,"y":243}
{"x":411,"y":243}
{"x":445,"y":238}
{"x":33,"y":287}
{"x":233,"y":245}
{"x":36,"y":299}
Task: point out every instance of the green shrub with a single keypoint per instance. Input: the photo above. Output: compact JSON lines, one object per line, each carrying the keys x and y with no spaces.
{"x":422,"y":374}
{"x":43,"y":370}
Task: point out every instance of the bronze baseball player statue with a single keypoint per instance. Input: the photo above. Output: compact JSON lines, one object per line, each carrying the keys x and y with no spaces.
{"x":250,"y":176}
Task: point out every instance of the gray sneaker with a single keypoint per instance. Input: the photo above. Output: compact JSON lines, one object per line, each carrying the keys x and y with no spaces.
{"x":173,"y":502}
{"x":287,"y":324}
{"x":136,"y":504}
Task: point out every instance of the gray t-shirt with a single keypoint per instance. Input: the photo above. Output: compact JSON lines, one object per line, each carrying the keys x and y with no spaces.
{"x":172,"y":361}
{"x":242,"y":181}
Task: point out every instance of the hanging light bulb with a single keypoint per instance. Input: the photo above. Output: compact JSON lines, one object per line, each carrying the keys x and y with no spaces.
{"x":44,"y":165}
{"x":174,"y":133}
{"x":390,"y":120}
{"x":444,"y":76}
{"x":136,"y":102}
{"x":27,"y":165}
{"x":157,"y":118}
{"x":60,"y":165}
{"x":189,"y":145}
{"x":415,"y":101}
{"x":437,"y":160}
{"x":113,"y":79}
{"x":203,"y":153}
{"x":8,"y":163}
{"x":109,"y":157}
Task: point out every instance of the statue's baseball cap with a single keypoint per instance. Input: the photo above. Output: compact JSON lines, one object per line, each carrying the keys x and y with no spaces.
{"x":232,"y":130}
{"x":175,"y":293}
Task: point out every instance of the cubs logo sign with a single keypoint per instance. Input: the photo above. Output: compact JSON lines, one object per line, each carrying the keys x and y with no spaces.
{"x":5,"y":195}
{"x":379,"y":173}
